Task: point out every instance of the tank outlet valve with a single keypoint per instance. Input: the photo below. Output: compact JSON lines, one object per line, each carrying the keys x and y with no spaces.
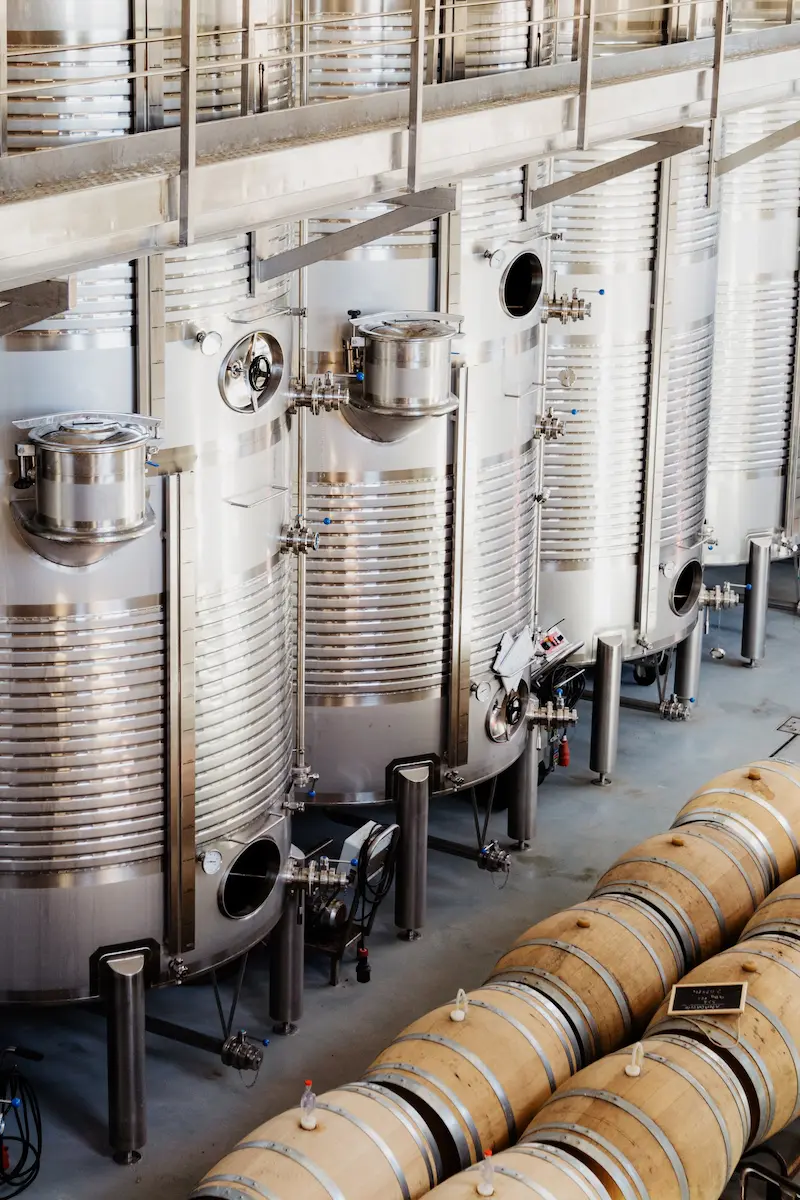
{"x":308,"y":1108}
{"x":549,"y":427}
{"x":178,"y":970}
{"x":674,"y":709}
{"x":298,"y":538}
{"x":644,"y":642}
{"x":719,"y":597}
{"x":26,"y":466}
{"x":239,"y":1052}
{"x":552,"y":715}
{"x":314,"y":874}
{"x":454,"y":780}
{"x":304,"y":779}
{"x":784,"y":547}
{"x":485,"y":1186}
{"x":565,"y":308}
{"x":493,"y":859}
{"x":323,"y":394}
{"x":459,"y":1013}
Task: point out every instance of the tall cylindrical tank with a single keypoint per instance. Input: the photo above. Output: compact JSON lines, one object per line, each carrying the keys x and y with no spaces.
{"x":751,"y":459}
{"x":418,"y":578}
{"x":623,"y":526}
{"x":147,"y":722}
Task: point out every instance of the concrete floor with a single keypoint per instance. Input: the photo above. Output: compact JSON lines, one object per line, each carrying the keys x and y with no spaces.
{"x":198,"y":1109}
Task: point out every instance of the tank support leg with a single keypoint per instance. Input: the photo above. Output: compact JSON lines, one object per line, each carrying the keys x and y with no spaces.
{"x":412,"y":791}
{"x":605,"y":708}
{"x":286,"y":964}
{"x":523,"y":796}
{"x":756,"y":600}
{"x":127,"y":1112}
{"x":687,"y":664}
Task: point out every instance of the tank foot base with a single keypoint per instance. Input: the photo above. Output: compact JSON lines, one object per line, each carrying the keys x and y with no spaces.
{"x":127,"y":1158}
{"x":602,"y":781}
{"x":285,"y":1029}
{"x":523,"y":846}
{"x":410,"y":935}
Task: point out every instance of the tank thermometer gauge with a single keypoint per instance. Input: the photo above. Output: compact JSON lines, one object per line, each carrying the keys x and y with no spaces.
{"x":210,"y":861}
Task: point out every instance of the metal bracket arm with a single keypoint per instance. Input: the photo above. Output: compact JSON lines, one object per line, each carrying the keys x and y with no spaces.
{"x":764,"y":145}
{"x":23,"y":306}
{"x":411,"y":210}
{"x":666,"y":145}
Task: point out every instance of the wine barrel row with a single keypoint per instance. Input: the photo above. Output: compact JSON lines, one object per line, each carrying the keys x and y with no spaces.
{"x":467,"y":1079}
{"x":671,"y":1117}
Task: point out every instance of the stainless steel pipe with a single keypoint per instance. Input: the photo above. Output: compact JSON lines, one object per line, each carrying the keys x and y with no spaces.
{"x":127,"y":1112}
{"x":412,"y":793}
{"x":688,"y":658}
{"x":756,"y":600}
{"x":605,"y":707}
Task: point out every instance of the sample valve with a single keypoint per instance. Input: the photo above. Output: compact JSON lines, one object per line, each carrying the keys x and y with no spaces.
{"x":565,"y":308}
{"x":298,"y":537}
{"x":323,"y":394}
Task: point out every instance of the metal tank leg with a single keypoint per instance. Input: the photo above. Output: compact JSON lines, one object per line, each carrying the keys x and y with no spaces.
{"x":756,"y":600}
{"x":412,"y":794}
{"x":523,"y":783}
{"x":688,"y":658}
{"x":286,"y":965}
{"x":127,"y":1112}
{"x":605,"y":708}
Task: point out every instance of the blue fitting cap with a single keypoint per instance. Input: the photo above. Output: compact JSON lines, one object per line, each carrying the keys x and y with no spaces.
{"x":602,"y":292}
{"x":265,"y":1042}
{"x":353,"y":862}
{"x":748,"y":587}
{"x":311,"y":793}
{"x":559,"y":691}
{"x":710,"y":546}
{"x":15,"y":1103}
{"x":360,"y":376}
{"x":326,"y":521}
{"x":574,"y":412}
{"x":691,"y":699}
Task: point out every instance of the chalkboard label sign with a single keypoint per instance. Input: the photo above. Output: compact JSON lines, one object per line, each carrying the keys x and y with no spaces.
{"x":721,"y":998}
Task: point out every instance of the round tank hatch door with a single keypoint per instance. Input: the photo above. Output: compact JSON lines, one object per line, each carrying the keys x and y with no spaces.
{"x":251,"y":372}
{"x":507,"y":713}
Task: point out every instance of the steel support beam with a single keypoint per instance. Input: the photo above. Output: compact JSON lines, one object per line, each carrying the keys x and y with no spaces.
{"x":668,"y":145}
{"x":24,"y":306}
{"x":415,"y":93}
{"x":411,"y":210}
{"x":765,"y":145}
{"x":188,"y":130}
{"x":587,"y":61}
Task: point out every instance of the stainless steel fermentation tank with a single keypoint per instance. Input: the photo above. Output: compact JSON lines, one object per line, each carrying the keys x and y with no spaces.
{"x":147,"y":720}
{"x":623,"y":526}
{"x":429,"y":557}
{"x":754,"y":425}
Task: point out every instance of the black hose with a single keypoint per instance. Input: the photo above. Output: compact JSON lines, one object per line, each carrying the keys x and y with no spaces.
{"x":21,"y":1140}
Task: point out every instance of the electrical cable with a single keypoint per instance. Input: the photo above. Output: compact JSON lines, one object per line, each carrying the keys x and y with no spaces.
{"x":21,"y":1139}
{"x":375,"y":893}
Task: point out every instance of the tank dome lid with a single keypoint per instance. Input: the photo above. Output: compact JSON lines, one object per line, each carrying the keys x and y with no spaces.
{"x":93,"y":432}
{"x":407,"y":329}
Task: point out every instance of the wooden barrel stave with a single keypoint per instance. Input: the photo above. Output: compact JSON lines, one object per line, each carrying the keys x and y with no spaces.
{"x":763,"y":1044}
{"x":762,"y":799}
{"x":612,"y":952}
{"x":634,"y":1130}
{"x":486,"y":1075}
{"x":367,"y":1141}
{"x":530,"y":1172}
{"x":779,"y":913}
{"x":710,"y":876}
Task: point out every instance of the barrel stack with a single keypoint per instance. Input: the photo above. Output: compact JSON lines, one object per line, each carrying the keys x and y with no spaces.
{"x":468,"y":1078}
